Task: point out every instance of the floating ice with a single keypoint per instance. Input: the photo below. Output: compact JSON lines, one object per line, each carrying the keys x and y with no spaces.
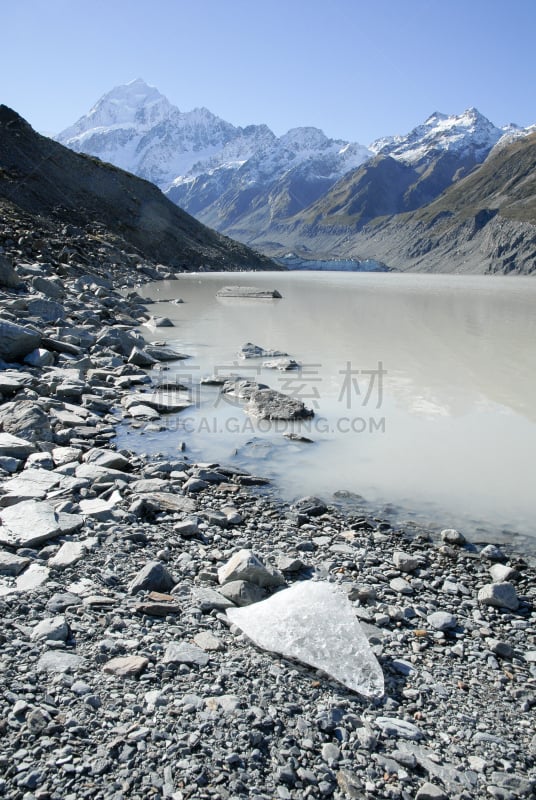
{"x":314,"y":622}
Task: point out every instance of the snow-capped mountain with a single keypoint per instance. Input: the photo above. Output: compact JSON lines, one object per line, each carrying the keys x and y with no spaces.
{"x":470,"y":133}
{"x":249,"y":183}
{"x":138,"y":129}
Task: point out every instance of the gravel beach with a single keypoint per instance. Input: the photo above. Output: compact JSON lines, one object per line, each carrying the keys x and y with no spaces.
{"x":122,"y":675}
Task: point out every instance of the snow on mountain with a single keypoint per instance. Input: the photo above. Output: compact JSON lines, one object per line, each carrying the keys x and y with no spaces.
{"x":138,"y":129}
{"x":511,"y":132}
{"x":470,"y":133}
{"x":307,"y":148}
{"x":246,"y":180}
{"x":134,"y":105}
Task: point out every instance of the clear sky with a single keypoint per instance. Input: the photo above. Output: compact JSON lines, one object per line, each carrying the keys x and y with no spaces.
{"x":358,"y":69}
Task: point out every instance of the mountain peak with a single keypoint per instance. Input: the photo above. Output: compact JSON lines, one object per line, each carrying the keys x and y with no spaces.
{"x":135,"y":103}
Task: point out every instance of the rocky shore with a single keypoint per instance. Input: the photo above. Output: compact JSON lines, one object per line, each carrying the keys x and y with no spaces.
{"x":122,"y":675}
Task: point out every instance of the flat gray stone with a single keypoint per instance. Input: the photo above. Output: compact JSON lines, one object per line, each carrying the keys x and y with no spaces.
{"x":168,"y":501}
{"x":401,"y":586}
{"x":184,"y":653}
{"x":47,"y":310}
{"x":501,"y":573}
{"x":249,"y":292}
{"x":27,"y":419}
{"x":442,"y":620}
{"x":28,"y":523}
{"x":243,"y":593}
{"x":398,"y":728}
{"x":208,"y":642}
{"x":429,"y":791}
{"x":16,"y":341}
{"x":54,"y":628}
{"x":141,"y":358}
{"x":65,"y":455}
{"x":162,"y":402}
{"x":69,"y":553}
{"x":270,"y":404}
{"x":11,"y":564}
{"x":109,"y":459}
{"x":97,"y":474}
{"x":29,"y":484}
{"x":15,"y":447}
{"x":30,"y":579}
{"x":187,"y":527}
{"x":96,"y":508}
{"x":210,"y":600}
{"x":226,"y":702}
{"x":59,"y":661}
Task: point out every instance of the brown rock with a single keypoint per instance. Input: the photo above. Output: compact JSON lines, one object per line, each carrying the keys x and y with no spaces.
{"x":126,"y":666}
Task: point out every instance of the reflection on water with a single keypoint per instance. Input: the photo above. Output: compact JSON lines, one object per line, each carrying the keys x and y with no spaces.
{"x":455,"y":431}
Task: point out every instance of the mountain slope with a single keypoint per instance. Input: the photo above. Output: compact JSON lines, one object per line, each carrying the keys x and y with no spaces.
{"x":276,"y":182}
{"x":485,"y":222}
{"x":42,"y":178}
{"x":219,"y":172}
{"x":255,"y":202}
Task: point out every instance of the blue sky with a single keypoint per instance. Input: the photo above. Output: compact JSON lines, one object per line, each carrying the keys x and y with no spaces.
{"x":356,"y":69}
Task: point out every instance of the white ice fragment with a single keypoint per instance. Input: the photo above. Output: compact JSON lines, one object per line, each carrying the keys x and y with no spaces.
{"x":315,"y":623}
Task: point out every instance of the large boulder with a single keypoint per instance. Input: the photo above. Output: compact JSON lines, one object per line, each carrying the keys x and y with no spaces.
{"x":16,"y":341}
{"x":47,"y":310}
{"x":26,"y":419}
{"x":270,"y":404}
{"x":8,"y":277}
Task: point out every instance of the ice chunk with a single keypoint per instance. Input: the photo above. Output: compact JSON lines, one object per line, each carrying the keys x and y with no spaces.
{"x":314,"y":622}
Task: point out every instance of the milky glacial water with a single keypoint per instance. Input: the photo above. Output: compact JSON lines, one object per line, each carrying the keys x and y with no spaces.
{"x":446,"y":433}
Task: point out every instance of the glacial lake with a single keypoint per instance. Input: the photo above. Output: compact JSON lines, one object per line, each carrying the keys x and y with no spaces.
{"x":423,"y":387}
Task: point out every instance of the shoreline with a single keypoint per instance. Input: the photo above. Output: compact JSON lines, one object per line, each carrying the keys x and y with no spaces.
{"x":103,"y":699}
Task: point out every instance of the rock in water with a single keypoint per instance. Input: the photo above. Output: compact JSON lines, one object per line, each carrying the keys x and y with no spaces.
{"x":270,"y":404}
{"x":249,"y":292}
{"x":314,"y":623}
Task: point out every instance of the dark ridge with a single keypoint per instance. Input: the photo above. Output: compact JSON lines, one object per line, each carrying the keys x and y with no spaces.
{"x":41,"y":177}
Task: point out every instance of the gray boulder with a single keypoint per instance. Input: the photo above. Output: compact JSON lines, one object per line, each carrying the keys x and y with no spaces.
{"x":499,"y":595}
{"x":16,"y":341}
{"x":270,"y":404}
{"x":154,"y":577}
{"x":47,"y":287}
{"x":47,"y":310}
{"x":8,"y":277}
{"x":28,"y":523}
{"x":246,"y":566}
{"x":26,"y":419}
{"x":52,"y":628}
{"x":243,"y":593}
{"x":14,"y":446}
